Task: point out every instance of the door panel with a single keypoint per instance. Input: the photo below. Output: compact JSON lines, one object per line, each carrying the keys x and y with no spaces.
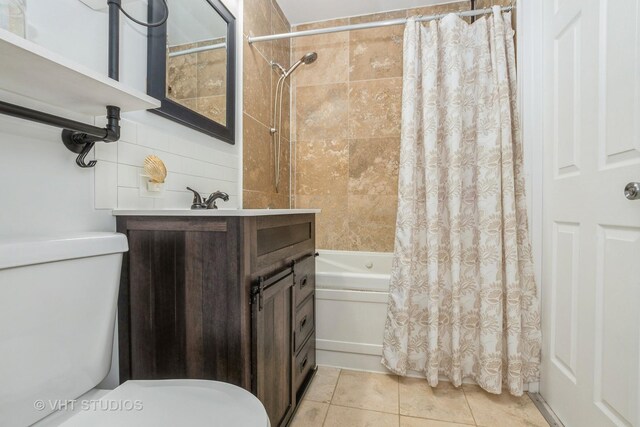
{"x":617,"y":374}
{"x":564,"y":286}
{"x":273,"y":340}
{"x":591,"y":232}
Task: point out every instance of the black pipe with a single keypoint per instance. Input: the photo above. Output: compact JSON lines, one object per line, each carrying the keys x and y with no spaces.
{"x":51,"y":120}
{"x":114,"y":39}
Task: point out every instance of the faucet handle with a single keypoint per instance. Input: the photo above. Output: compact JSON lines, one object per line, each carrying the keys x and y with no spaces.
{"x":197,"y":200}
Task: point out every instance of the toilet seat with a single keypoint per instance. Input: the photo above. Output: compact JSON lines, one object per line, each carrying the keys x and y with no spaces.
{"x":159,"y":403}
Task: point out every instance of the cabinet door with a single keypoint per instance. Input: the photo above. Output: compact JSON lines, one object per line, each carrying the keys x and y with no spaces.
{"x":272,"y":347}
{"x":180,"y":303}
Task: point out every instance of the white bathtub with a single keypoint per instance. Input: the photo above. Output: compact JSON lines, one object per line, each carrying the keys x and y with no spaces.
{"x":351,"y":308}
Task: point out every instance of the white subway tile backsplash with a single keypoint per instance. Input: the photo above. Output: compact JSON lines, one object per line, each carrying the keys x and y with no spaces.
{"x":183,"y":147}
{"x":208,"y":170}
{"x":106,"y":185}
{"x":107,"y":151}
{"x":159,"y":204}
{"x":129,"y":198}
{"x":218,"y":157}
{"x":128,"y":131}
{"x":131,"y":154}
{"x":197,"y":151}
{"x":128,"y":176}
{"x":177,"y":200}
{"x":173,"y":162}
{"x":179,"y":182}
{"x":118,"y":183}
{"x":153,"y":138}
{"x":223,"y":173}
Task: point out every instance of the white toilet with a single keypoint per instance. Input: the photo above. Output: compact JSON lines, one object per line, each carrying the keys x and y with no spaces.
{"x":57,"y":313}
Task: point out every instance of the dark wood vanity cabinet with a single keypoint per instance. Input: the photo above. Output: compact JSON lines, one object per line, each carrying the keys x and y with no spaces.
{"x":222,"y":298}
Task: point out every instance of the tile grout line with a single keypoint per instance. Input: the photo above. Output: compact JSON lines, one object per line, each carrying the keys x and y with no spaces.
{"x":331,"y":398}
{"x":439,"y":420}
{"x":372,"y":410}
{"x":335,"y":387}
{"x":350,"y":80}
{"x":256,"y":120}
{"x":399,"y":415}
{"x":468,"y":405}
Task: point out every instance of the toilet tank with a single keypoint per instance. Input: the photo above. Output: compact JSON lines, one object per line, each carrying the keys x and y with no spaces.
{"x":57,"y":313}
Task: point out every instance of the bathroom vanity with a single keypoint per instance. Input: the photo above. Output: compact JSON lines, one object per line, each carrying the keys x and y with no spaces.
{"x":225,"y":295}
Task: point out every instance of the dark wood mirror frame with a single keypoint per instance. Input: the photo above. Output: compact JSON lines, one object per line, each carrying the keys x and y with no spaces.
{"x":157,"y":76}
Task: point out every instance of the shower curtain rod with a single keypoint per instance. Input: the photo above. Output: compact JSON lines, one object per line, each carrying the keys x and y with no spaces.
{"x":198,"y":49}
{"x":388,"y":23}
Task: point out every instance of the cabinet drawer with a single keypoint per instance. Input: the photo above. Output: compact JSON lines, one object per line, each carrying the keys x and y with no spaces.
{"x":304,"y":273}
{"x":305,"y":361}
{"x":304,"y":323}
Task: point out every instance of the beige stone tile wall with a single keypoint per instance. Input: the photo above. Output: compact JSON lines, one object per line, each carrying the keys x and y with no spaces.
{"x":199,"y":80}
{"x":264,"y":17}
{"x":346,"y":128}
{"x":344,"y":122}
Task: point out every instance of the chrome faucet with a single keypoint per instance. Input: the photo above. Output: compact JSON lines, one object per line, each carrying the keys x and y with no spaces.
{"x":210,"y":202}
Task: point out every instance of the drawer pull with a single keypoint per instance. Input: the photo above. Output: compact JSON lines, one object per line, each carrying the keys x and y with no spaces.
{"x":303,"y":282}
{"x":304,"y":363}
{"x":303,"y":322}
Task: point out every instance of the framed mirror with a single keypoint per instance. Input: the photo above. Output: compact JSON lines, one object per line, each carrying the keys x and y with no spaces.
{"x":191,"y":65}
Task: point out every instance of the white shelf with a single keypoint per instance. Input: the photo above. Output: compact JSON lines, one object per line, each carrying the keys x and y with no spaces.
{"x":35,"y":72}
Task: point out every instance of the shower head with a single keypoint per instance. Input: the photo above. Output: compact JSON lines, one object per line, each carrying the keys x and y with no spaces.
{"x":309,"y":57}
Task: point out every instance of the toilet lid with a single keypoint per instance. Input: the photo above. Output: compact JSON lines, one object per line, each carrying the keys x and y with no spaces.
{"x":172,"y":403}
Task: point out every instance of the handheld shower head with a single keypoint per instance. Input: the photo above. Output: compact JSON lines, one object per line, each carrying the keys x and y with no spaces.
{"x":309,"y":57}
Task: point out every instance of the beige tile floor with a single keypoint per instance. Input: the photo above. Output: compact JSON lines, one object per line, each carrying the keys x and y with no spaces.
{"x":342,"y":398}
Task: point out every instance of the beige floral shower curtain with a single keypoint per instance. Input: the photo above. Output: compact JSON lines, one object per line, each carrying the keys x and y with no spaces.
{"x":463,"y":299}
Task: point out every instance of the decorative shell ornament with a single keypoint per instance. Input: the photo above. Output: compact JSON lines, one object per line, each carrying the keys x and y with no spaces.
{"x":155,"y":169}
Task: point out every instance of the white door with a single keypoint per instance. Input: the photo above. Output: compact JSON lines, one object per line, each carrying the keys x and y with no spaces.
{"x":591,"y":232}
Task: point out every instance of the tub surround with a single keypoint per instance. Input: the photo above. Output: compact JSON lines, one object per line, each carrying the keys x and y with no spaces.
{"x":212,"y":212}
{"x":260,"y":78}
{"x":345,"y":127}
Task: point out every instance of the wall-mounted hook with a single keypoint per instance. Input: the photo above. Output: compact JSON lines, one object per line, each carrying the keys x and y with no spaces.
{"x":82,"y":142}
{"x":80,"y":159}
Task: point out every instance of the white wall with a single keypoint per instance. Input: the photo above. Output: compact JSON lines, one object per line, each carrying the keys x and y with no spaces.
{"x":41,"y":188}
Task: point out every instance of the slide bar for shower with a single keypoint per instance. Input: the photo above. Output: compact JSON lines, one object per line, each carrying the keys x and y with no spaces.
{"x":388,"y":23}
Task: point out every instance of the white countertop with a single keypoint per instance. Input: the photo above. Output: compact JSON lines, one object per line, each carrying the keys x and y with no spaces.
{"x":211,"y":212}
